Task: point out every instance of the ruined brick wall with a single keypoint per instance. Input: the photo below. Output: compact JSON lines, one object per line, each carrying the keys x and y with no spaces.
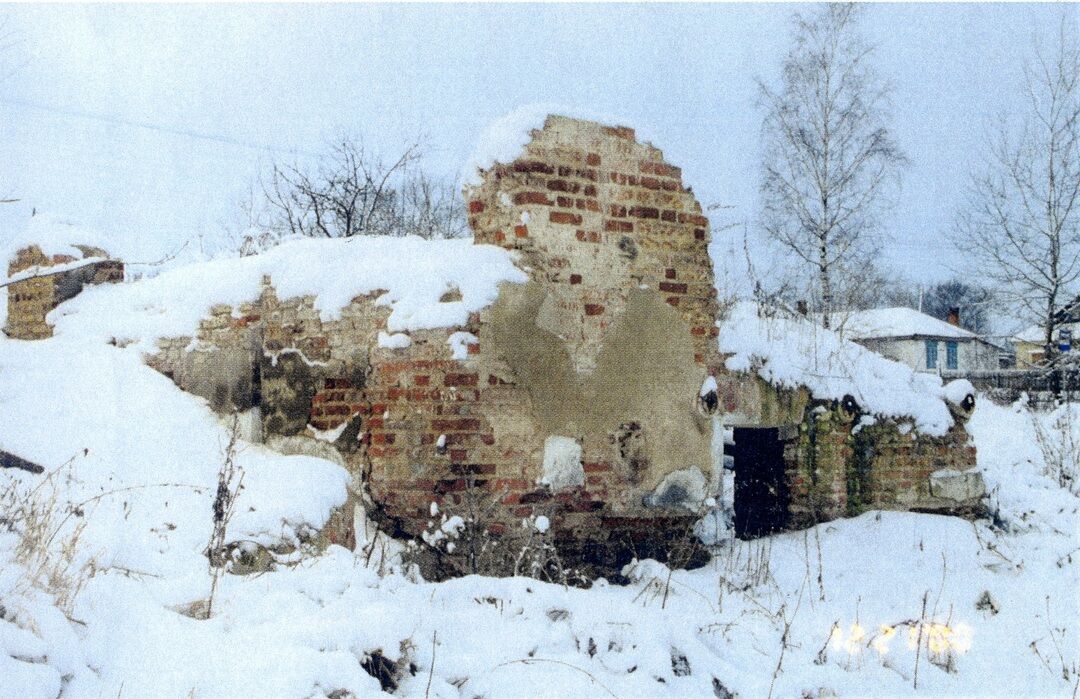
{"x":596,"y":214}
{"x":30,"y":300}
{"x":837,"y":468}
{"x":605,"y":347}
{"x":602,"y":354}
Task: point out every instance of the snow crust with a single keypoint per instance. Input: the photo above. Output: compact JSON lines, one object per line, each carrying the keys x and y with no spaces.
{"x":414,"y":274}
{"x":792,"y":352}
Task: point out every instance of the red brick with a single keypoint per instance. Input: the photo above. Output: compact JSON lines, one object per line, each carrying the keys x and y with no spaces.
{"x":476,"y":206}
{"x":618,"y":210}
{"x":563,"y":217}
{"x":696,"y":219}
{"x":593,"y":309}
{"x":532,"y":198}
{"x":521,"y":231}
{"x":563,"y":186}
{"x":670,"y":273}
{"x":619,"y":226}
{"x":460,"y":380}
{"x":644,"y":212}
{"x":592,"y":159}
{"x":575,"y":278}
{"x":669,"y":216}
{"x":673,"y":288}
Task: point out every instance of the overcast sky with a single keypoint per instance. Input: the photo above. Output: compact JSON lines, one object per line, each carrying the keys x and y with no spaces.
{"x":150,"y":122}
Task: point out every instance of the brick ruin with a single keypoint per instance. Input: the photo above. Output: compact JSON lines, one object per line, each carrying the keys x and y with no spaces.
{"x":31,"y":299}
{"x":583,"y":395}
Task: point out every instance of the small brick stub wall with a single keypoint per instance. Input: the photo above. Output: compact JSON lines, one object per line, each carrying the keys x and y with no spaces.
{"x":580,"y":400}
{"x":30,"y":300}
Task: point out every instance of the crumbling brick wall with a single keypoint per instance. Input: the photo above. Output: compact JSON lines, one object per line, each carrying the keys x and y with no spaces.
{"x":602,"y":354}
{"x":31,"y":299}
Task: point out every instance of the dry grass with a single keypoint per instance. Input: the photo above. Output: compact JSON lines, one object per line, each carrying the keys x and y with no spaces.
{"x":48,"y":532}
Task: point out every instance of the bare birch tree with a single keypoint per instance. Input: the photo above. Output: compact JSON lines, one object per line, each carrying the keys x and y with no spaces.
{"x":1020,"y":226}
{"x":830,"y":162}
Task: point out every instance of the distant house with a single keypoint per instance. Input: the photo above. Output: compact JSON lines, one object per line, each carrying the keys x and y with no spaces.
{"x":1030,"y":342}
{"x":921,"y":341}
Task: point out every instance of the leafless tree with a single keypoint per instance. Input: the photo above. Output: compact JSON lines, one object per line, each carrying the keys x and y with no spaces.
{"x":1020,"y":226}
{"x":830,"y":162}
{"x":431,"y":208}
{"x":351,"y":191}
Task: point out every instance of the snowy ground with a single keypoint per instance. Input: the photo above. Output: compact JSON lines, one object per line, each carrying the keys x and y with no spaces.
{"x":871,"y":606}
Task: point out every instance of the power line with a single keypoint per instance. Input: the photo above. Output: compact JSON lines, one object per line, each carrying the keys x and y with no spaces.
{"x":150,"y":126}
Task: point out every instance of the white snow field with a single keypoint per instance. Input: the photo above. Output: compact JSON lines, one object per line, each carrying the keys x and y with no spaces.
{"x":101,"y":555}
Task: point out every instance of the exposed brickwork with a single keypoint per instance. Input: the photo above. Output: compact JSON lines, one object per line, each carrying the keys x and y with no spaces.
{"x":631,"y":223}
{"x":30,"y":300}
{"x":607,"y":345}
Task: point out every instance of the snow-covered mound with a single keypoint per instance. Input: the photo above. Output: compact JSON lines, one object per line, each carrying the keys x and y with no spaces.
{"x":144,"y":457}
{"x":792,"y":352}
{"x":414,"y":274}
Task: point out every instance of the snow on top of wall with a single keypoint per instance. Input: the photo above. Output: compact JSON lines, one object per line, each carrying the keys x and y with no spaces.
{"x":413,"y":273}
{"x":792,"y":352}
{"x":506,"y":137}
{"x":897,"y":322}
{"x":55,"y":236}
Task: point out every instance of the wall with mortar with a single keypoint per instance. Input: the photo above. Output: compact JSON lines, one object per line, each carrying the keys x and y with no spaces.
{"x":30,"y":300}
{"x":605,"y":348}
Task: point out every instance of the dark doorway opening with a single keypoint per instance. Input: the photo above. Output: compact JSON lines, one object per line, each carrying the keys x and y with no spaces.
{"x":761,"y":494}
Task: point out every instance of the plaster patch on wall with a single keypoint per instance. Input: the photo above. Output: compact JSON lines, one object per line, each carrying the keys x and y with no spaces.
{"x":562,"y":467}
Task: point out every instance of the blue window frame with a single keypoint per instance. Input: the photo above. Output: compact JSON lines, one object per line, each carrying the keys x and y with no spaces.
{"x":951,"y":359}
{"x":931,"y":354}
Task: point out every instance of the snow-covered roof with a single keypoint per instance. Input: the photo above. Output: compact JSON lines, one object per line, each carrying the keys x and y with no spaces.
{"x":1032,"y":334}
{"x":1035,"y":334}
{"x":414,"y":274}
{"x":897,"y":322}
{"x":794,"y":352}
